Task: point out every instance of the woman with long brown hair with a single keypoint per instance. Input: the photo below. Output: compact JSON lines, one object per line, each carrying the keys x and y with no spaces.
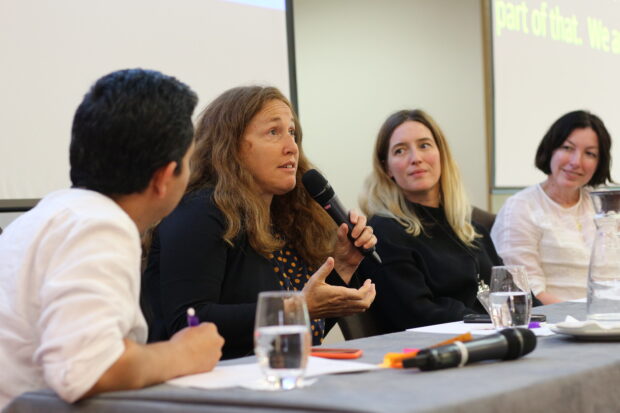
{"x":246,"y":226}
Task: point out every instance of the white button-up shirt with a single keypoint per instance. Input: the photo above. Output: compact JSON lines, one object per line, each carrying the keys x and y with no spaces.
{"x":69,"y":294}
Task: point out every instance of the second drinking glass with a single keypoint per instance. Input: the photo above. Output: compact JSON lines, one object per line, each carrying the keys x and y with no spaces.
{"x":510,"y":297}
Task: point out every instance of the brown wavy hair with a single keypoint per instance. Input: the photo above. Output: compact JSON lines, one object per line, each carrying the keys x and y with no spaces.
{"x":216,"y":164}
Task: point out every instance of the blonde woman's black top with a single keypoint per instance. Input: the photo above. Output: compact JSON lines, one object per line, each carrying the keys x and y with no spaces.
{"x":430,"y":278}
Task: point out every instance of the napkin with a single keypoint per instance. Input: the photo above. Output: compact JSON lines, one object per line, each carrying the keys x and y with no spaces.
{"x":571,"y":323}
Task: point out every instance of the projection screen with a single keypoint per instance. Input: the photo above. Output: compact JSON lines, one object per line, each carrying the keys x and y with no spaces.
{"x":549,"y":58}
{"x":52,"y":51}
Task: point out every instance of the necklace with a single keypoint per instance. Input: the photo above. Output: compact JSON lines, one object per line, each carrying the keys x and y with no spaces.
{"x":566,"y":207}
{"x":482,"y":286}
{"x":560,"y":197}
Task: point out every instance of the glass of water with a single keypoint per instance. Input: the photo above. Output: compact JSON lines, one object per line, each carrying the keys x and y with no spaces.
{"x":282,"y":338}
{"x":510,"y":299}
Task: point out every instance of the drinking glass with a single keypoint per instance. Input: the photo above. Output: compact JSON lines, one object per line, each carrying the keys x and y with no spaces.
{"x":604,"y":272}
{"x":282,"y":338}
{"x":511,"y":302}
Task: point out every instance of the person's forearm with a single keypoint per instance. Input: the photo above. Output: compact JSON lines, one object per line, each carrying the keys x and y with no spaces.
{"x":547,"y":298}
{"x":140,"y":366}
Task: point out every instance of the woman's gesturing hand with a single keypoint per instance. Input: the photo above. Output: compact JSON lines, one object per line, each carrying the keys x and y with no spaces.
{"x":325,"y":301}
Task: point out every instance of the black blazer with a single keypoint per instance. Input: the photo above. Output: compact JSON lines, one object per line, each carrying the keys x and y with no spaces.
{"x":190,"y":265}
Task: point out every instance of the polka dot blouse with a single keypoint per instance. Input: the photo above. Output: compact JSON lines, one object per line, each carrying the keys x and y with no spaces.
{"x":293,"y":274}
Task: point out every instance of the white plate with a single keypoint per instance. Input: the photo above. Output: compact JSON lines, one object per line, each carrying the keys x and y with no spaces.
{"x":587,"y":332}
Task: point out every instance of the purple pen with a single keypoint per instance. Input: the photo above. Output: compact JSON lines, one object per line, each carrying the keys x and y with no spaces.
{"x":534,"y":324}
{"x":192,"y":318}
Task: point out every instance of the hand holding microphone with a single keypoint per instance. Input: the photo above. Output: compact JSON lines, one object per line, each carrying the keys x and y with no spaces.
{"x":322,"y":192}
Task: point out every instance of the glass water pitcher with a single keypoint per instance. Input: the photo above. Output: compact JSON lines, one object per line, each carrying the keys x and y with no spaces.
{"x":604,"y":272}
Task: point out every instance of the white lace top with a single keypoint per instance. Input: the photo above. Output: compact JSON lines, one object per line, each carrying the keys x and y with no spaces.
{"x":551,"y":241}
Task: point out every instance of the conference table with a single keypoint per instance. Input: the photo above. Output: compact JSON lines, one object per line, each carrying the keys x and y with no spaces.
{"x":562,"y":374}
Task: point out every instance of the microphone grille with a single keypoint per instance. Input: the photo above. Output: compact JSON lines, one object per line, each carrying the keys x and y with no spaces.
{"x":521,"y":341}
{"x":316,"y":185}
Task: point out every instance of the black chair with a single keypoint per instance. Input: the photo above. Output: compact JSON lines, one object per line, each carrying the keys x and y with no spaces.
{"x":359,"y":325}
{"x":482,"y":217}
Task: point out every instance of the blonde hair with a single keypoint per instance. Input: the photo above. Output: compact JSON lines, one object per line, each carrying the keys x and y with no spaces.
{"x":217,"y":164}
{"x":382,"y":196}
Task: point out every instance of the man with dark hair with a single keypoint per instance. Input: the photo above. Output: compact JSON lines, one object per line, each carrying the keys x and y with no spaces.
{"x":130,"y":124}
{"x":70,"y":267}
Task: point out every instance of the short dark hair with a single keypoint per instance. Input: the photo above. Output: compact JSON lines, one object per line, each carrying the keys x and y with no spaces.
{"x":562,"y":128}
{"x":130,"y":123}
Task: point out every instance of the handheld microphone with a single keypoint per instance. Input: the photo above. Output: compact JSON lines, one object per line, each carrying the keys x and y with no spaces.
{"x":321,"y":191}
{"x":508,"y":344}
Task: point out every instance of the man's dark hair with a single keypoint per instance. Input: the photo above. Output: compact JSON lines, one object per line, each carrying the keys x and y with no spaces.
{"x":562,"y":128}
{"x":130,"y":123}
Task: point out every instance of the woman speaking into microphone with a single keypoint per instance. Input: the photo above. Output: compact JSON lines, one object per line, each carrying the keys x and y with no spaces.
{"x":247,"y":225}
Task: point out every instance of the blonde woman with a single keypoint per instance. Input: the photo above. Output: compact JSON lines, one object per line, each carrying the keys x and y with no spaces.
{"x":247,"y":226}
{"x":434,"y":257}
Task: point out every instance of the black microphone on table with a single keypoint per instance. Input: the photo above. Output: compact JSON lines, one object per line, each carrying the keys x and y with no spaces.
{"x":507,"y":344}
{"x":322,"y":192}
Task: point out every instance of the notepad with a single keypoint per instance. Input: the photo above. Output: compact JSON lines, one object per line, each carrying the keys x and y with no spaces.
{"x":246,"y":375}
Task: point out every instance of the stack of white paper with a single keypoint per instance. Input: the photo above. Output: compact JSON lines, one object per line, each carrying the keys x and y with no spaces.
{"x":247,"y":375}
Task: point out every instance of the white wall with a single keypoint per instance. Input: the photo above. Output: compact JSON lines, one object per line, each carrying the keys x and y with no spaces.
{"x":360,"y":60}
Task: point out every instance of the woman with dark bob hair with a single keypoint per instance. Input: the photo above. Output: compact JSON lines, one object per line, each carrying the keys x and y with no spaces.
{"x":246,"y":226}
{"x":435,"y":259}
{"x":549,"y":227}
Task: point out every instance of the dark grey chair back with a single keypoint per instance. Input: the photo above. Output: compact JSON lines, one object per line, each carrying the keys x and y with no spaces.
{"x":482,"y":217}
